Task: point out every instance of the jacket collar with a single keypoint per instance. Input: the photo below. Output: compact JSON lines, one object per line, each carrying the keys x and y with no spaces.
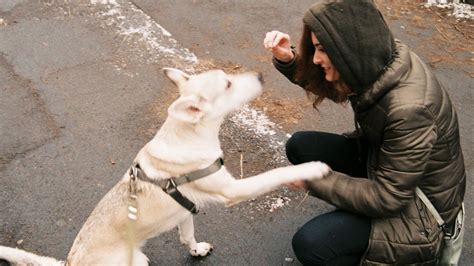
{"x":394,"y":72}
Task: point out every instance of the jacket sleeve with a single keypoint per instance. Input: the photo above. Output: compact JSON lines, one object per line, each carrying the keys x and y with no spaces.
{"x":289,"y":69}
{"x":409,"y":136}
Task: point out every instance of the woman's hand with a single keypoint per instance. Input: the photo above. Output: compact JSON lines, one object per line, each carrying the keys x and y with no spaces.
{"x":279,"y":44}
{"x":297,"y":185}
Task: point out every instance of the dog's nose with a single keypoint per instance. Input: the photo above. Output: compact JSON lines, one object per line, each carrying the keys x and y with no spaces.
{"x":260,"y":77}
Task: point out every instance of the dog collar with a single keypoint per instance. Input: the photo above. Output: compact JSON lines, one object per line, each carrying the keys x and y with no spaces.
{"x":170,"y":185}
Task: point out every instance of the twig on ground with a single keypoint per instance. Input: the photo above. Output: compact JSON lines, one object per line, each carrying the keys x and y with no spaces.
{"x":462,"y":32}
{"x":304,"y":198}
{"x":241,"y":165}
{"x":442,"y":33}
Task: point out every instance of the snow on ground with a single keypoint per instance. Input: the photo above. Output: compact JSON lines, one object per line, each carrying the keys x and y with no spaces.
{"x":136,"y":26}
{"x":460,"y":10}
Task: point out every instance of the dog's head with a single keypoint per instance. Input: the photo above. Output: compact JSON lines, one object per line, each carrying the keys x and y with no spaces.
{"x":211,"y":95}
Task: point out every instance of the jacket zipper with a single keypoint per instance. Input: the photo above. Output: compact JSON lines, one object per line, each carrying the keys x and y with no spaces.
{"x":359,"y":149}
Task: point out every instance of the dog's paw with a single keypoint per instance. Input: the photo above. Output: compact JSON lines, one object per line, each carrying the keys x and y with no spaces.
{"x":314,"y":170}
{"x":201,"y":249}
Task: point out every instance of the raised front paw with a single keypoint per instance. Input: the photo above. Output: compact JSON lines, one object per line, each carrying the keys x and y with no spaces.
{"x":201,"y":249}
{"x":314,"y":170}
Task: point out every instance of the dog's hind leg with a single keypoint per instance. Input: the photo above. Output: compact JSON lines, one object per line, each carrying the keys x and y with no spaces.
{"x":186,"y":236}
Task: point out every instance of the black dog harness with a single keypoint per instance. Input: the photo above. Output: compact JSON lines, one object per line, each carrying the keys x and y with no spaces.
{"x":170,"y":186}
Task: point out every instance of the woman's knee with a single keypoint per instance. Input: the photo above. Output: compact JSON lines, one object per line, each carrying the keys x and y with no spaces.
{"x":293,"y":146}
{"x":304,"y":247}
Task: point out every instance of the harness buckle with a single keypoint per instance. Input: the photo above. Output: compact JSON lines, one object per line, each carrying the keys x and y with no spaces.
{"x":133,"y":182}
{"x":170,"y":186}
{"x":132,"y":195}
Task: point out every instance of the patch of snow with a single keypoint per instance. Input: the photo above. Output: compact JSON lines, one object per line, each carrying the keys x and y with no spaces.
{"x":460,"y":10}
{"x":259,"y":125}
{"x":132,"y":23}
{"x":279,"y":202}
{"x":256,"y":120}
{"x":104,"y":2}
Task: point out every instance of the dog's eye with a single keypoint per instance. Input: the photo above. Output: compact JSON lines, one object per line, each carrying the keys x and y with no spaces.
{"x":229,"y":84}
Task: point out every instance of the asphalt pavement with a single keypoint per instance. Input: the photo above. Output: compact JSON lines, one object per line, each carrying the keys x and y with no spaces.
{"x":81,"y":91}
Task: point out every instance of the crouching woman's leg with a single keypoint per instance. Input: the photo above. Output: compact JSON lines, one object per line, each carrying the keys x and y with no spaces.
{"x":342,"y":154}
{"x":333,"y":238}
{"x":338,"y":237}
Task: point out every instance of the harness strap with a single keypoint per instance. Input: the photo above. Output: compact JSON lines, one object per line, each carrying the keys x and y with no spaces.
{"x":430,"y":207}
{"x":181,"y":199}
{"x":170,"y":185}
{"x":195,"y":175}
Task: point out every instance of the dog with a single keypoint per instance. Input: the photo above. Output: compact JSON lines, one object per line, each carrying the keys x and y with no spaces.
{"x":152,"y":197}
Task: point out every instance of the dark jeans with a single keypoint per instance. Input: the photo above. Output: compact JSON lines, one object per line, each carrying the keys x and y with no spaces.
{"x":338,"y":237}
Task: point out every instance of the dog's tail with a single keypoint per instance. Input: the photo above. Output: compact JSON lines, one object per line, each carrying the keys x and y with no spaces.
{"x":15,"y":256}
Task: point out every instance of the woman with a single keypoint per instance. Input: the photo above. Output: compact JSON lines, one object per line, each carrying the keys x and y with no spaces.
{"x":406,"y":137}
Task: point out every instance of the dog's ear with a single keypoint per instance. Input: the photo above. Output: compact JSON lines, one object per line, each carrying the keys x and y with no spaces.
{"x":175,"y":75}
{"x":186,"y":109}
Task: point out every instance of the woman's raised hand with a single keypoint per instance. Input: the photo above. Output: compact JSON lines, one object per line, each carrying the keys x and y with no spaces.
{"x":279,"y":44}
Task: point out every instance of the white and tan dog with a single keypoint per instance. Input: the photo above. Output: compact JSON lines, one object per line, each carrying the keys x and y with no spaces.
{"x":187,"y":141}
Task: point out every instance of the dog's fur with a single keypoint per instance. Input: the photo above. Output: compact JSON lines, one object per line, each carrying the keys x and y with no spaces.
{"x":187,"y":141}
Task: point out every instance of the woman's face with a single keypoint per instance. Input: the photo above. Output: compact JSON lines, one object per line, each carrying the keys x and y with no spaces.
{"x":322,"y":59}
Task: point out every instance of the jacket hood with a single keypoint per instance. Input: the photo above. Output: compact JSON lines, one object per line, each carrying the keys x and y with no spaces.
{"x":394,"y":73}
{"x":356,"y":38}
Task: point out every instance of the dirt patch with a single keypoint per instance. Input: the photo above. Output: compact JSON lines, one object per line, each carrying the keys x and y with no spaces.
{"x":285,"y":111}
{"x":451,"y":39}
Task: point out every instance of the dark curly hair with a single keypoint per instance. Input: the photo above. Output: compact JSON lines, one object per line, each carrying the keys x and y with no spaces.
{"x":312,"y":77}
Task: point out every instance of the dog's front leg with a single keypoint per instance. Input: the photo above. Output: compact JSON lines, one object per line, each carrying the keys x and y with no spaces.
{"x":252,"y":187}
{"x":186,"y":236}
